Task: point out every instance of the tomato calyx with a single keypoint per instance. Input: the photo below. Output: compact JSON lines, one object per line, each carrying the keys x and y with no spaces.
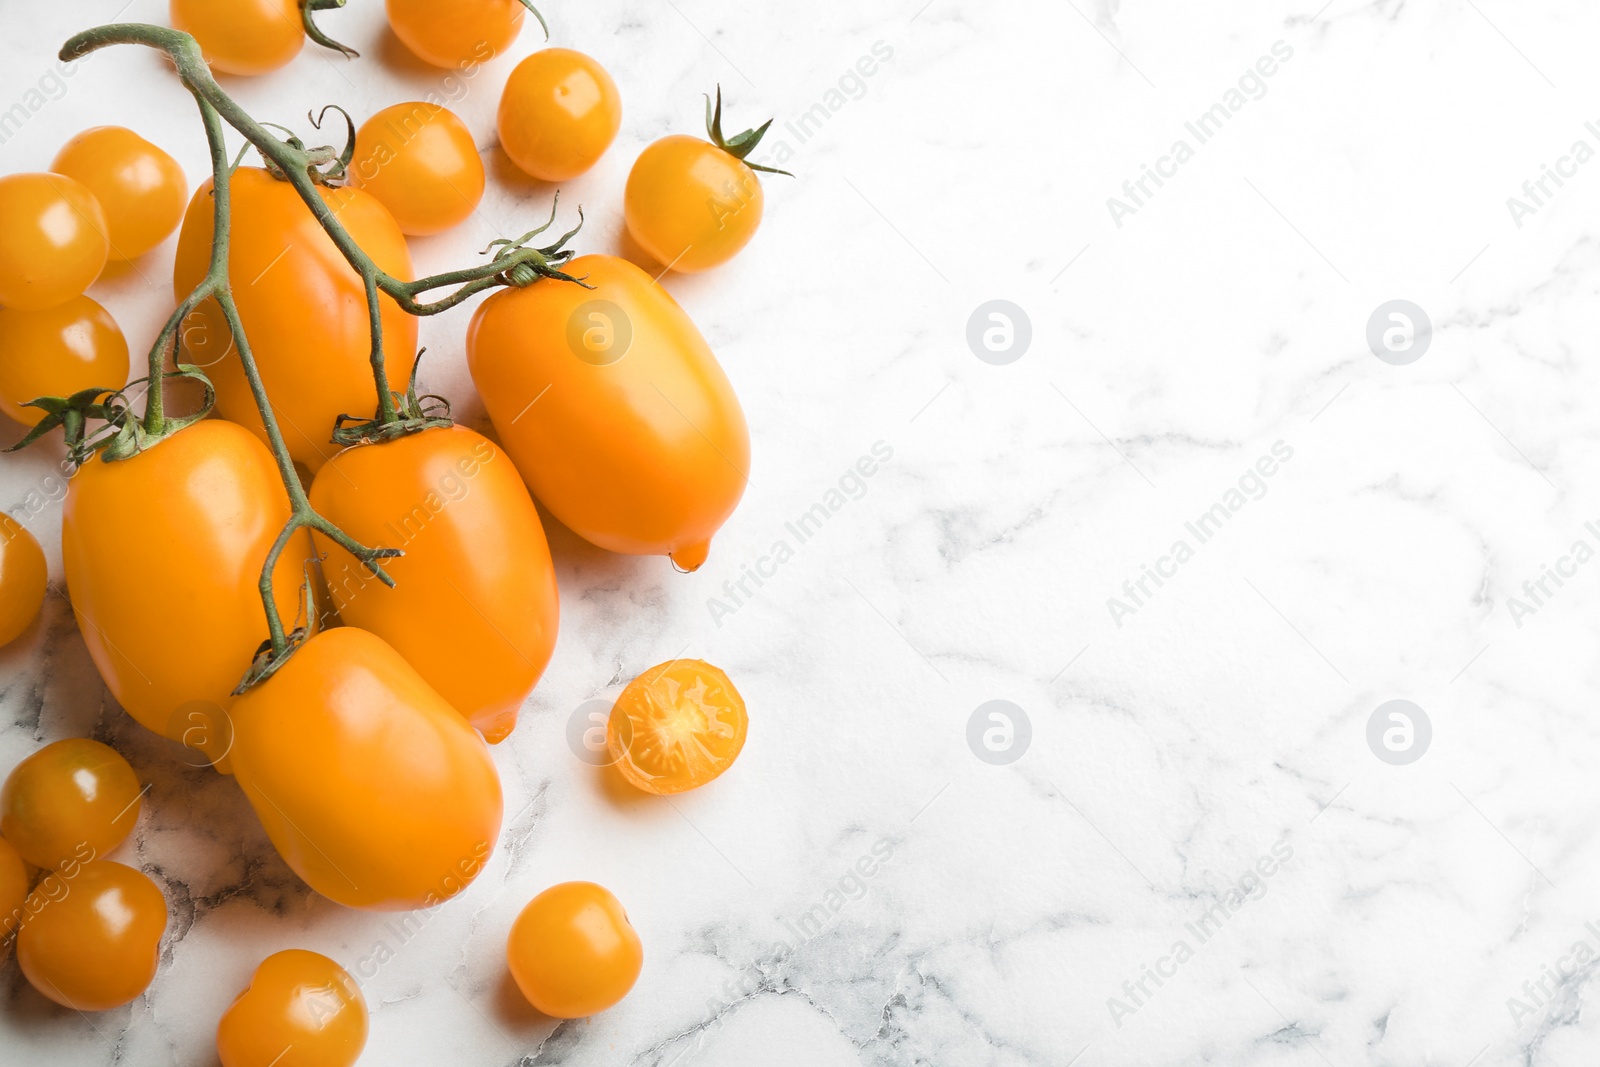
{"x":412,"y":414}
{"x":522,"y":265}
{"x":308,"y":10}
{"x":740,"y":145}
{"x":269,"y":657}
{"x":122,"y":434}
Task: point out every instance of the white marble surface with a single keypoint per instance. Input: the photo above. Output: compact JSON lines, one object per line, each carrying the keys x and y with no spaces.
{"x":1225,"y":716}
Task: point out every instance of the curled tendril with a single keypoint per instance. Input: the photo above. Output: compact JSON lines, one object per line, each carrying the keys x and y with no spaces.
{"x":339,"y":169}
{"x":416,"y":413}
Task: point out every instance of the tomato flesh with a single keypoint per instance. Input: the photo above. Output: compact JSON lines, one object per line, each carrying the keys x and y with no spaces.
{"x":676,"y":726}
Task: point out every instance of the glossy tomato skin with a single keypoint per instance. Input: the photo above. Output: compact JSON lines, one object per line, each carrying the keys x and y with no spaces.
{"x":191,"y":519}
{"x":242,"y":36}
{"x":304,"y":308}
{"x":690,"y":204}
{"x":56,"y":352}
{"x":456,"y":34}
{"x":573,"y":952}
{"x":676,"y":727}
{"x":71,"y":795}
{"x":420,"y":161}
{"x":301,"y":1009}
{"x":91,"y":937}
{"x":24,"y":579}
{"x":373,"y":789}
{"x":141,"y":189}
{"x":474,"y":606}
{"x":559,"y":113}
{"x":52,"y":240}
{"x":646,"y":452}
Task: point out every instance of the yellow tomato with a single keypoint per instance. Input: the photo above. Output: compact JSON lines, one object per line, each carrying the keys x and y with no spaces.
{"x":676,"y":726}
{"x":614,"y":409}
{"x":418,"y":159}
{"x":456,"y":34}
{"x":690,"y":204}
{"x":141,"y":189}
{"x":91,"y":937}
{"x":70,"y":796}
{"x":372,"y":788}
{"x":242,"y":36}
{"x":56,"y":352}
{"x":24,"y":579}
{"x":559,"y":113}
{"x":301,"y":1009}
{"x":573,"y":952}
{"x":304,"y":308}
{"x":52,"y":240}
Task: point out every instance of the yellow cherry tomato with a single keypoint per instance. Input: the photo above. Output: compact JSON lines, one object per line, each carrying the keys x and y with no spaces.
{"x":676,"y":726}
{"x":52,"y":240}
{"x":141,"y":189}
{"x":372,"y":788}
{"x":301,"y":1009}
{"x":13,"y":892}
{"x":474,"y":604}
{"x":56,"y":352}
{"x":559,"y":113}
{"x":24,"y":579}
{"x":242,"y":36}
{"x":456,"y":34}
{"x":418,"y":159}
{"x":91,"y":937}
{"x":573,"y":952}
{"x":614,"y":409}
{"x":303,"y":306}
{"x":70,"y":796}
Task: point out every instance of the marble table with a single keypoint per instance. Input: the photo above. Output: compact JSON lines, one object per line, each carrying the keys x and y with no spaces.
{"x":1225,"y":373}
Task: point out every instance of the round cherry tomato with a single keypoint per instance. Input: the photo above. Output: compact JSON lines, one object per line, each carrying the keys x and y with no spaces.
{"x":141,"y":189}
{"x":573,"y":952}
{"x":640,"y":445}
{"x":456,"y":34}
{"x":13,"y":892}
{"x":559,"y":113}
{"x":163,"y":557}
{"x":474,"y":604}
{"x":676,"y":726}
{"x":242,"y":36}
{"x":303,"y":306}
{"x":56,"y":352}
{"x":52,"y":240}
{"x":690,"y":204}
{"x":69,"y":796}
{"x":372,"y":788}
{"x":24,"y":579}
{"x":91,"y":937}
{"x":301,"y":1009}
{"x":418,"y":159}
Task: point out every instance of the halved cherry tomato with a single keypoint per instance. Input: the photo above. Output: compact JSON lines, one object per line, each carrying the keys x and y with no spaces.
{"x":573,"y":952}
{"x":304,"y":308}
{"x":56,"y":352}
{"x":456,"y":34}
{"x":13,"y":892}
{"x":474,"y":605}
{"x":559,"y":113}
{"x":676,"y":726}
{"x":419,"y":160}
{"x":141,"y":189}
{"x":373,"y":789}
{"x":24,"y":579}
{"x":242,"y":36}
{"x":301,"y":1009}
{"x":71,"y":795}
{"x":163,"y":558}
{"x":91,"y":937}
{"x":613,"y":408}
{"x":52,"y":240}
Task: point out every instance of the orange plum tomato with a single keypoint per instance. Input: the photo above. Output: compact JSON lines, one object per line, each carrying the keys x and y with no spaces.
{"x":559,"y":113}
{"x":676,"y":726}
{"x":372,"y":788}
{"x":193,"y":517}
{"x":242,"y":36}
{"x":69,"y":796}
{"x":456,"y":34}
{"x":304,"y":308}
{"x":614,"y":409}
{"x":301,"y":1009}
{"x":573,"y":952}
{"x":91,"y":935}
{"x":13,"y":892}
{"x":141,"y":189}
{"x":474,"y":606}
{"x":56,"y":352}
{"x":52,"y":240}
{"x":418,"y":159}
{"x":24,"y":579}
{"x":690,"y":204}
